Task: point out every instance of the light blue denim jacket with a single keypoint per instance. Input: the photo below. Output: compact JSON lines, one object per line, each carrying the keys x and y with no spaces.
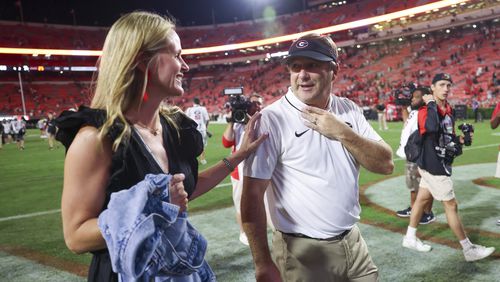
{"x":147,"y":237}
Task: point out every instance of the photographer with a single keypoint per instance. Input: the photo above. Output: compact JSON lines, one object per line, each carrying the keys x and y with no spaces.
{"x":231,"y":138}
{"x":414,"y":102}
{"x":441,"y":145}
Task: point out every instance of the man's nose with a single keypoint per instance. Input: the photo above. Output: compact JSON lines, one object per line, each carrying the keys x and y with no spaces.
{"x":303,"y":74}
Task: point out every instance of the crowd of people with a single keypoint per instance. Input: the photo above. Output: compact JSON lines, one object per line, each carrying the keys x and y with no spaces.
{"x":371,"y":73}
{"x":13,"y":130}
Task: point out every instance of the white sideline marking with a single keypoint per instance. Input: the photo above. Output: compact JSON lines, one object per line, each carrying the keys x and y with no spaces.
{"x":29,"y":215}
{"x":465,"y":149}
{"x":58,"y":210}
{"x":223,"y":185}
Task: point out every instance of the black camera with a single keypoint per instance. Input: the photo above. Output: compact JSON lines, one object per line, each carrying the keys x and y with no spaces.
{"x":448,"y":153}
{"x":402,"y":95}
{"x":239,"y":104}
{"x":467,"y":129}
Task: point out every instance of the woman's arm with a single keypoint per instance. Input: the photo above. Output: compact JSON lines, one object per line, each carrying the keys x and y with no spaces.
{"x":86,"y":174}
{"x":212,"y":176}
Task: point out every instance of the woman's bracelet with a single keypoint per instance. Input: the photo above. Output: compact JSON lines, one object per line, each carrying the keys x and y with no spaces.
{"x":228,"y":164}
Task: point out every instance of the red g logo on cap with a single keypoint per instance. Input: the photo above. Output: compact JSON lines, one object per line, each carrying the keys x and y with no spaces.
{"x":302,"y":44}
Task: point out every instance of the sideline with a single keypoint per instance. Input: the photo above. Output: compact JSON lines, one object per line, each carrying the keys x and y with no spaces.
{"x":438,"y":227}
{"x":59,"y":210}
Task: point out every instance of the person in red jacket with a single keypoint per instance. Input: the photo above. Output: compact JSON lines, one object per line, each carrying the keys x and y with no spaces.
{"x":440,"y":146}
{"x":231,"y":138}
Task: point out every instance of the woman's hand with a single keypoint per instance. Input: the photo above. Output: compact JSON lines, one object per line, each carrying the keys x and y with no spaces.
{"x":250,"y":141}
{"x":178,"y":196}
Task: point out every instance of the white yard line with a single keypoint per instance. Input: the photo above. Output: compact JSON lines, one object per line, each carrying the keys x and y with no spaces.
{"x":465,"y":149}
{"x":58,"y":210}
{"x":28,"y":215}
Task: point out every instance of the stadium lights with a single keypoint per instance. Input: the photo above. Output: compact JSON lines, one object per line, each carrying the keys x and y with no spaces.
{"x":275,"y":40}
{"x":277,"y":54}
{"x":60,"y":52}
{"x":83,"y":68}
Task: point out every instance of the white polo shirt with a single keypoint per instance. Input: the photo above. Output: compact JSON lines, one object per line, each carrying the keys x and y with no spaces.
{"x":314,"y":180}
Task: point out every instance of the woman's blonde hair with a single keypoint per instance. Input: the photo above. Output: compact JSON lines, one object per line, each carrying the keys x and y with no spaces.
{"x":134,"y":39}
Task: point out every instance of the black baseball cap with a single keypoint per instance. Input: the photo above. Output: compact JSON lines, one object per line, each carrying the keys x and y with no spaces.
{"x":313,"y":48}
{"x":442,"y":76}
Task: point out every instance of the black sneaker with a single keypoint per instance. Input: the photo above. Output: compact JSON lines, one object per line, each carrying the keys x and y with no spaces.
{"x":404,"y":213}
{"x":427,"y":218}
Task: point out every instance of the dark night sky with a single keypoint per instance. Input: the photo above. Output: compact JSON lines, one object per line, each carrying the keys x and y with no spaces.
{"x":105,"y":12}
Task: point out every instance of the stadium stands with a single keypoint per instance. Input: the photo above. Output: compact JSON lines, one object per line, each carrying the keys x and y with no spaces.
{"x":369,"y":72}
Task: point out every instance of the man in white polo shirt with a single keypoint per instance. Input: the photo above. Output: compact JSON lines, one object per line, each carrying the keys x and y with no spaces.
{"x":317,"y":143}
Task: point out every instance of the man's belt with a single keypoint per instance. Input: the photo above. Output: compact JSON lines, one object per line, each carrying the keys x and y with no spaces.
{"x":334,"y":238}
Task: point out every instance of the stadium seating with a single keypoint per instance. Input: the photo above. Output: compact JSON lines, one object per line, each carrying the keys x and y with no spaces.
{"x":367,"y":74}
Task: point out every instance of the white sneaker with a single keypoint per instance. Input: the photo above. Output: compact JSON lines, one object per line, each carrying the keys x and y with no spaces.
{"x":477,"y":252}
{"x":244,"y":238}
{"x":203,"y":162}
{"x":415,"y":244}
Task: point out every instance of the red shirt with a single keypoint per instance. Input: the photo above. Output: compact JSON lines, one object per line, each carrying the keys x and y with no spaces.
{"x":226,"y":143}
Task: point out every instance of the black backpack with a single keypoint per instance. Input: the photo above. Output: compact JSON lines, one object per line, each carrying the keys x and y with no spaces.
{"x":413,"y":147}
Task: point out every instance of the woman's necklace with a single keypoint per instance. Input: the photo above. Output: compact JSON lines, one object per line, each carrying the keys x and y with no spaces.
{"x":154,"y":131}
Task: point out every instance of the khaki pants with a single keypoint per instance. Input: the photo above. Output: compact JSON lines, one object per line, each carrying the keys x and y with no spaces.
{"x":304,"y":259}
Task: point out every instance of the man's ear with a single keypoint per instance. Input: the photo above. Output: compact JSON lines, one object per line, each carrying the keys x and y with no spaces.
{"x":335,"y":68}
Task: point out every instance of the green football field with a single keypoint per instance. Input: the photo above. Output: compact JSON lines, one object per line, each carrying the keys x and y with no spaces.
{"x":32,"y":246}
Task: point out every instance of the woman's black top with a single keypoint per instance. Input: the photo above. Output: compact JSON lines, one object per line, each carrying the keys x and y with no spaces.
{"x":132,"y":161}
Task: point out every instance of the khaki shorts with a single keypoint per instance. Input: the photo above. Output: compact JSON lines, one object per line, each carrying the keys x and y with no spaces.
{"x":306,"y":259}
{"x":440,"y":186}
{"x":412,"y":176}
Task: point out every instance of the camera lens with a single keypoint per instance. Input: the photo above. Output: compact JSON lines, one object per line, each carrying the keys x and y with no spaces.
{"x":239,"y":116}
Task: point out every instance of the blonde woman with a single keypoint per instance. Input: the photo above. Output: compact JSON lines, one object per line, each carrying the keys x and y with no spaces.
{"x":125,"y":134}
